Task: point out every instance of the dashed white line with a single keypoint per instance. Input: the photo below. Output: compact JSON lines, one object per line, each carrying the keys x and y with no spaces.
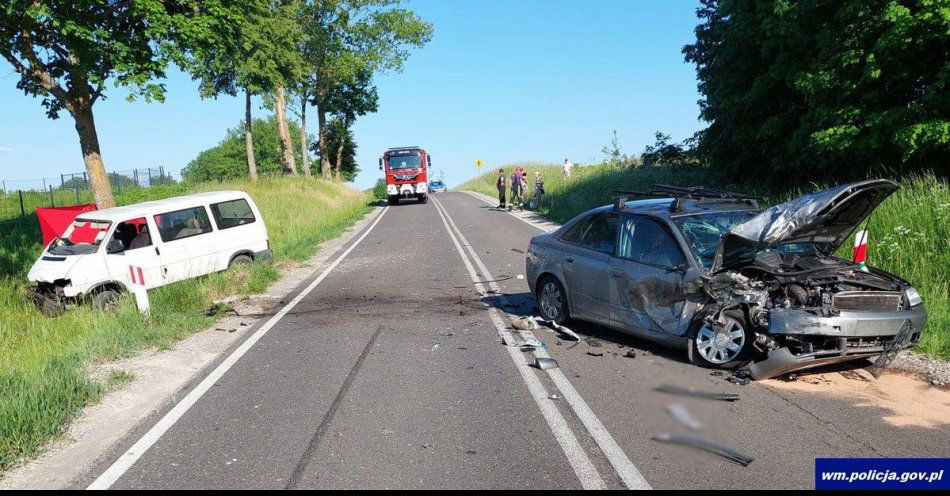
{"x":627,"y":471}
{"x":128,"y":459}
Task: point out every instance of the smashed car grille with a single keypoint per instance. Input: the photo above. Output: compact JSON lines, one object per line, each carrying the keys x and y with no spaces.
{"x":874,"y":301}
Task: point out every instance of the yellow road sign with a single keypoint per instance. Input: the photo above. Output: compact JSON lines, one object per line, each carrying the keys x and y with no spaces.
{"x":479,"y":164}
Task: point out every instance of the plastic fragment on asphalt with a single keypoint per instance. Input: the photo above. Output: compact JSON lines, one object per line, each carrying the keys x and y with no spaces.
{"x":525,"y":324}
{"x":519,"y":276}
{"x":683,"y":416}
{"x":699,"y":443}
{"x":595,"y":354}
{"x":564,"y":331}
{"x":545,"y":363}
{"x":695,"y":393}
{"x":630,"y":354}
{"x":554,"y":397}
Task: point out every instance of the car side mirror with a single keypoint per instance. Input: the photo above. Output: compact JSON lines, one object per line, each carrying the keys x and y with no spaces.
{"x":380,"y":164}
{"x":115,"y":246}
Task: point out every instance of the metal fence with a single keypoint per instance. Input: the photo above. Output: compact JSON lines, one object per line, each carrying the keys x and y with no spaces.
{"x":21,"y":197}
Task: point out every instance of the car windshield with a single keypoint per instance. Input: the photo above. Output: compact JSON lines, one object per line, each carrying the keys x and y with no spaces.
{"x":437,"y":184}
{"x":702,"y":233}
{"x":401,"y":162}
{"x":82,"y":237}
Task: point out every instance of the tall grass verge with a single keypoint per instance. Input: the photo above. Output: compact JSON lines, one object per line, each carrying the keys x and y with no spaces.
{"x":45,"y":363}
{"x":909,"y":232}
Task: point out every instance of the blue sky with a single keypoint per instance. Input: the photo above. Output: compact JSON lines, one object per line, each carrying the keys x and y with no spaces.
{"x":501,"y":81}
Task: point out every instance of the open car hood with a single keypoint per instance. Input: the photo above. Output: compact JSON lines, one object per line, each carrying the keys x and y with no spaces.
{"x":825,"y":218}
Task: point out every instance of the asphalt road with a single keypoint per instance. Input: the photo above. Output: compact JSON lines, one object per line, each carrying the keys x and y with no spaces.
{"x":391,"y":372}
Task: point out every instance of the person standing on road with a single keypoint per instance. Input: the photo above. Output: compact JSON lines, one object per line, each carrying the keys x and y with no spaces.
{"x":515,"y":188}
{"x":566,"y":168}
{"x":501,"y":184}
{"x":524,"y":188}
{"x":538,"y":189}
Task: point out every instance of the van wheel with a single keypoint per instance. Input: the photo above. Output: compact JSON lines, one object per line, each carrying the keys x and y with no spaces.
{"x":552,"y":300}
{"x":240,"y":261}
{"x":720,"y":348}
{"x":106,"y":300}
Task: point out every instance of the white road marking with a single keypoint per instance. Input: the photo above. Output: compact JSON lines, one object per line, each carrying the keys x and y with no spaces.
{"x":125,"y":462}
{"x":585,"y":470}
{"x":522,"y":219}
{"x":618,"y":459}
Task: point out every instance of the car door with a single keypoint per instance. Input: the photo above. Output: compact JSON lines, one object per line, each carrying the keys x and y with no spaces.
{"x":183,"y":234}
{"x":237,"y":229}
{"x":647,"y":280}
{"x":138,"y":262}
{"x":588,"y":247}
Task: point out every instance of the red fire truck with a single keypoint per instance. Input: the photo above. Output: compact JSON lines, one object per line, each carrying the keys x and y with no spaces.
{"x":406,"y":170}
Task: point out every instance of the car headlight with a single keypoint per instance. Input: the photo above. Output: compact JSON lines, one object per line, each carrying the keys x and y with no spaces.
{"x":913,"y":297}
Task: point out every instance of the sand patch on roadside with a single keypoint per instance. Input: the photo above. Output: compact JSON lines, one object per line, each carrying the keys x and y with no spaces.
{"x":910,"y":400}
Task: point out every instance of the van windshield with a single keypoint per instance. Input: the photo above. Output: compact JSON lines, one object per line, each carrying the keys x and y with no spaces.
{"x":82,"y":237}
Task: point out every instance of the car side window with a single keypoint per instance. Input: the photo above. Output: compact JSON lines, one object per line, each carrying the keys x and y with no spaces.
{"x":647,"y":242}
{"x":597,"y":232}
{"x":232,"y":213}
{"x":182,"y":224}
{"x":133,"y":234}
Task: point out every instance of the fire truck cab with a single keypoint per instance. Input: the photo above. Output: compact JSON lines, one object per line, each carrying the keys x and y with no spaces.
{"x":406,"y":169}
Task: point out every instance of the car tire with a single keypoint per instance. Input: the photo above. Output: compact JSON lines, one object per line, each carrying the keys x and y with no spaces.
{"x":241,"y":261}
{"x":723,"y":350}
{"x":106,"y":300}
{"x":393,"y":200}
{"x":423,"y":198}
{"x":552,"y":300}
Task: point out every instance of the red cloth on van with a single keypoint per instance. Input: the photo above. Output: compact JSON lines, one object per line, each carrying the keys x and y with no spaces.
{"x":55,"y":220}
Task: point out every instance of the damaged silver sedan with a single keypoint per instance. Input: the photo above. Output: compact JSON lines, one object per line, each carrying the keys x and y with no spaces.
{"x":707,"y":270}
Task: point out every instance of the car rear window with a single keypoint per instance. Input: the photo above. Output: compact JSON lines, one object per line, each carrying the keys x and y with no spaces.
{"x":232,"y":213}
{"x":182,"y":224}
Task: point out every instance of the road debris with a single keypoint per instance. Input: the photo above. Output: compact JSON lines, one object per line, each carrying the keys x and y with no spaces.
{"x":545,"y":363}
{"x":593,"y":342}
{"x":525,"y":324}
{"x":630,"y":354}
{"x":683,"y":416}
{"x":595,"y":354}
{"x":693,"y":392}
{"x":699,"y":443}
{"x":519,"y":276}
{"x":564,"y":331}
{"x":554,"y":397}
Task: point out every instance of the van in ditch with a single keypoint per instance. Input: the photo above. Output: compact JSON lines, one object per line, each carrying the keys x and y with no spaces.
{"x":151,"y":244}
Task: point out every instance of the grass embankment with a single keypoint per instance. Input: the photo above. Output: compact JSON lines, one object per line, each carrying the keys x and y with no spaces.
{"x":45,"y":363}
{"x":909,"y":232}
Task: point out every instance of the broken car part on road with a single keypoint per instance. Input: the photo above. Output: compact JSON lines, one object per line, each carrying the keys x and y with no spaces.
{"x":699,"y":443}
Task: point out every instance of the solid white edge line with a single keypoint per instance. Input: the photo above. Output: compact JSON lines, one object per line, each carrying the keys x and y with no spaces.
{"x":128,"y":459}
{"x":627,"y":471}
{"x":479,"y":196}
{"x":585,"y":470}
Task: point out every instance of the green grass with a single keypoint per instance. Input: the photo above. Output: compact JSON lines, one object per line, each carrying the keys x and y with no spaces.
{"x":45,"y":363}
{"x":909,"y":232}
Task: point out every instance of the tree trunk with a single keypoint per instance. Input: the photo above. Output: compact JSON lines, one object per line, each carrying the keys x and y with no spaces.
{"x":95,"y":168}
{"x":322,"y":132}
{"x":304,"y":149}
{"x":283,"y":131}
{"x":339,"y":160}
{"x":249,"y":138}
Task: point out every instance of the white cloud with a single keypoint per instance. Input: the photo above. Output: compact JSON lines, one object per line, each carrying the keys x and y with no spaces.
{"x":4,"y":149}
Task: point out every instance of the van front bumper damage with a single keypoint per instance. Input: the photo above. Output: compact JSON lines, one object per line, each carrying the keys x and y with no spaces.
{"x":805,"y":339}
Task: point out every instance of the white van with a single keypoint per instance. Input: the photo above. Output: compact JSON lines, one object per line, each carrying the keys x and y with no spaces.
{"x":103,"y":252}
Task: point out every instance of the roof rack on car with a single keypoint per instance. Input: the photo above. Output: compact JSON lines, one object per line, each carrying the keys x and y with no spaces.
{"x":681,"y":194}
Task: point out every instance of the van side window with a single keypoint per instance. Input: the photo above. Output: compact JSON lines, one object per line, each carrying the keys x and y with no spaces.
{"x":182,"y":224}
{"x":133,"y":234}
{"x":232,"y":213}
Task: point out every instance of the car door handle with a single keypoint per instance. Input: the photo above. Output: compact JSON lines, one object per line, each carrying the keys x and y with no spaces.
{"x":569,"y":260}
{"x":616,"y":272}
{"x":157,"y":252}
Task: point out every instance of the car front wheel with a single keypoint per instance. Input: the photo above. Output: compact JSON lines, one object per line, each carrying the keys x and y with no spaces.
{"x":722,"y":347}
{"x":552,"y":300}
